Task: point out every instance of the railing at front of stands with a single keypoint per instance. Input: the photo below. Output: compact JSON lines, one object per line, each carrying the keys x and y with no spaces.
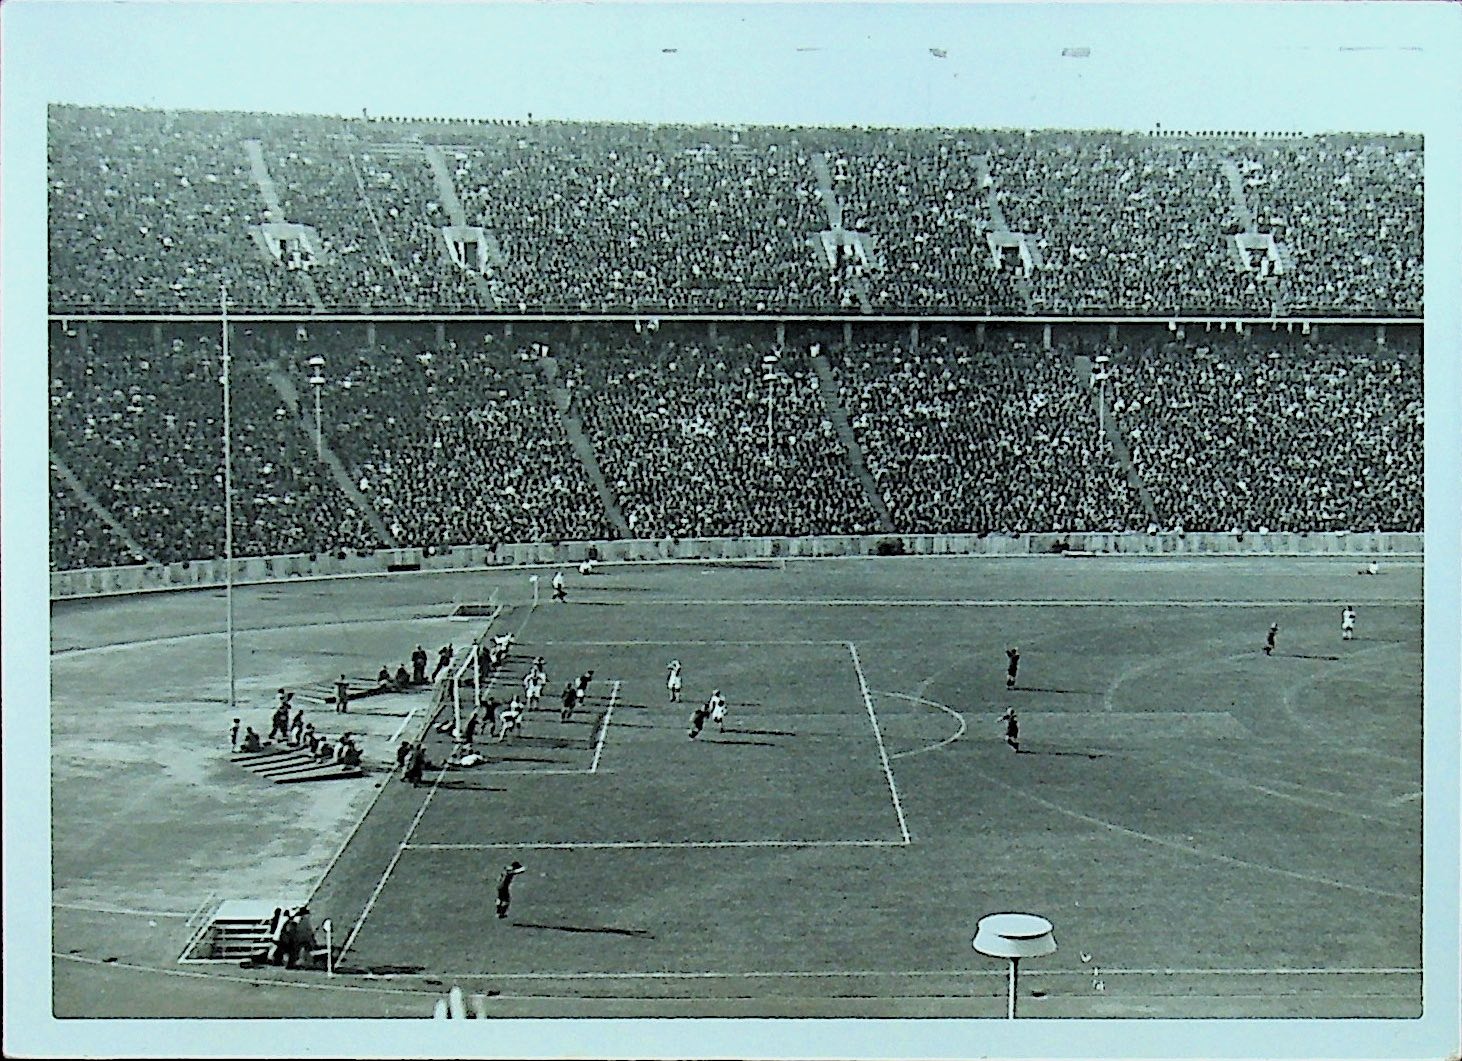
{"x":201,"y":574}
{"x":552,"y":316}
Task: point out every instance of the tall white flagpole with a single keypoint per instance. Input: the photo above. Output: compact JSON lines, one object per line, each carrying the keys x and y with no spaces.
{"x":228,"y":502}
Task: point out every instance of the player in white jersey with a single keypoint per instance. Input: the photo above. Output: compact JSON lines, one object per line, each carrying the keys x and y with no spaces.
{"x":673,"y":681}
{"x":511,"y":719}
{"x":559,"y":594}
{"x":533,"y":690}
{"x":1347,"y":623}
{"x":718,"y":710}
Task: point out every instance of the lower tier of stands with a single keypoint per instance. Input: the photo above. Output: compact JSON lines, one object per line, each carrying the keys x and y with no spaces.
{"x":353,"y":439}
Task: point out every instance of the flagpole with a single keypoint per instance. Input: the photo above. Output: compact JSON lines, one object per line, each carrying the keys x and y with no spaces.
{"x":228,"y":502}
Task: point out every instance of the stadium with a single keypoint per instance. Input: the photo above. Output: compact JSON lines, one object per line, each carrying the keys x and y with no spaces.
{"x":885,"y":527}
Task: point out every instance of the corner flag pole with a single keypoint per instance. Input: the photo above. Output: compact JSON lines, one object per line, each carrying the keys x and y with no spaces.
{"x":228,"y":501}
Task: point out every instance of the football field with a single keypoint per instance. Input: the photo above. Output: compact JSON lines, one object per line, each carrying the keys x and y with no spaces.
{"x":1212,"y":831}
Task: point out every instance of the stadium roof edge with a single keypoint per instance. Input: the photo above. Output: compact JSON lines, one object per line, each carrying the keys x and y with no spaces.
{"x":531,"y":122}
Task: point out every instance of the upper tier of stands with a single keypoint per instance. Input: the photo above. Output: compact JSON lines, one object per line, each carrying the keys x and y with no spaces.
{"x":151,"y":210}
{"x":463,"y":436}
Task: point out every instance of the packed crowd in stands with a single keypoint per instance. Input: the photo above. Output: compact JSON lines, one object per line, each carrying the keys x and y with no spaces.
{"x":1021,"y":432}
{"x":151,"y":210}
{"x":402,"y":203}
{"x":459,"y":438}
{"x":925,"y":205}
{"x":1350,"y":216}
{"x":1125,"y":224}
{"x":1251,"y":436}
{"x":139,"y":418}
{"x":453,"y":444}
{"x":662,"y":218}
{"x":684,"y":438}
{"x":79,"y":537}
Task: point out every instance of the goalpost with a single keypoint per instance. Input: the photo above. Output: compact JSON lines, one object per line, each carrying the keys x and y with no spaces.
{"x":466,"y":667}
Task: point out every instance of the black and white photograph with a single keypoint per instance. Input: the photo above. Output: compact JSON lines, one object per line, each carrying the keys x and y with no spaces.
{"x":752,"y":530}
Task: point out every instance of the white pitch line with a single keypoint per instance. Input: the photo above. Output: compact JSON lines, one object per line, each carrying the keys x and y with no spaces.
{"x":1162,"y":841}
{"x":258,"y":981}
{"x":102,"y":908}
{"x":396,"y":736}
{"x":931,"y":703}
{"x":878,"y":735}
{"x":420,"y":811}
{"x":908,"y":602}
{"x":400,"y":849}
{"x":808,"y":974}
{"x":370,"y":985}
{"x":604,"y":729}
{"x":683,"y":641}
{"x":636,"y":845}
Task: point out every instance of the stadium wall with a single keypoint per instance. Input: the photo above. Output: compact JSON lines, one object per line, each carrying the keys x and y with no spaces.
{"x":199,"y":574}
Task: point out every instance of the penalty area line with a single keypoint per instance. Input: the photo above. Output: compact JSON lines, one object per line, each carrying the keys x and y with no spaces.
{"x":390,"y":866}
{"x":604,"y":728}
{"x":893,"y":790}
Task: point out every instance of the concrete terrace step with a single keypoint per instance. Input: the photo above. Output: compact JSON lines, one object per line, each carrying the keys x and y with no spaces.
{"x":88,"y":499}
{"x":285,"y":765}
{"x":287,"y":391}
{"x":1081,"y":366}
{"x":827,"y":386}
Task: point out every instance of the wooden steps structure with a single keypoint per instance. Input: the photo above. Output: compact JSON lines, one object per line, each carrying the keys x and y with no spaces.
{"x":237,"y":931}
{"x":285,"y":765}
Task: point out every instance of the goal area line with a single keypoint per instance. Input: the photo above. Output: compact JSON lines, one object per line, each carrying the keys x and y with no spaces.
{"x":646,"y":845}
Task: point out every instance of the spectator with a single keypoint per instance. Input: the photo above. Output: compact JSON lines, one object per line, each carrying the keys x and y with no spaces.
{"x":1250,"y":435}
{"x":1013,"y":421}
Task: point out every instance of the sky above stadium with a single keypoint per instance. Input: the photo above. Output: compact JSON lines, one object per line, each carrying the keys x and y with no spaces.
{"x":1301,"y":67}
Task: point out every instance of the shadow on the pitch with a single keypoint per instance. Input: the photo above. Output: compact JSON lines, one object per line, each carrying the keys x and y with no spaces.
{"x":1305,"y":655}
{"x":545,"y":742}
{"x":748,"y":743}
{"x":525,"y":759}
{"x":636,"y":933}
{"x":469,"y":786}
{"x":1073,"y":755}
{"x":1067,"y":692}
{"x":763,"y":732}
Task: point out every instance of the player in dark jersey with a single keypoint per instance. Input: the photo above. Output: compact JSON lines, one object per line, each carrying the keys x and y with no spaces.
{"x":1012,"y":655}
{"x":1269,"y":641}
{"x":570,"y":701}
{"x":582,"y":690}
{"x":698,"y":720}
{"x":1012,"y":728}
{"x":504,"y":888}
{"x":444,"y":660}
